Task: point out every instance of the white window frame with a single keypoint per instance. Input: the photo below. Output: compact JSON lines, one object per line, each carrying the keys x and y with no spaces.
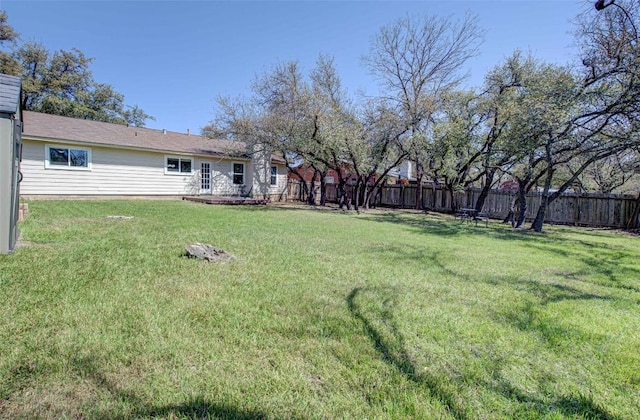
{"x":274,"y":176}
{"x":180,"y":159}
{"x":67,"y":167}
{"x":234,"y":173}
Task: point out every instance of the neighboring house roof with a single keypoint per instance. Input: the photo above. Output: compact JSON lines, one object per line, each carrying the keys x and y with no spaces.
{"x":9,"y":94}
{"x":49,"y":127}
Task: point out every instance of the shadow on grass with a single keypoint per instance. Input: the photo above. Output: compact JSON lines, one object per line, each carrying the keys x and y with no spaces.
{"x":196,"y":408}
{"x":436,"y":224}
{"x":448,"y":388}
{"x":579,"y":406}
{"x":617,"y":264}
{"x":545,"y":293}
{"x":446,"y":225}
{"x":391,"y":346}
{"x":439,"y":225}
{"x":613,"y":264}
{"x":528,"y":316}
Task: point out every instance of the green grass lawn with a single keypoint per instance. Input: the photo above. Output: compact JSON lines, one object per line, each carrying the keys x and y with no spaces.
{"x":324,"y":314}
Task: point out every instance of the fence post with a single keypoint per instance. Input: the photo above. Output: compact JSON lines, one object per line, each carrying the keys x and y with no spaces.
{"x":610,"y":210}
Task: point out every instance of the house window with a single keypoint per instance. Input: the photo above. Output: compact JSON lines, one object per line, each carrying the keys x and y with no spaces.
{"x":177,"y":165}
{"x":238,"y":173}
{"x":65,"y":157}
{"x":274,"y":175}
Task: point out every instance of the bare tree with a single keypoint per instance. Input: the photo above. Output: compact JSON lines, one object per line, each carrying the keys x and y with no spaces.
{"x":296,"y":116}
{"x":416,"y":60}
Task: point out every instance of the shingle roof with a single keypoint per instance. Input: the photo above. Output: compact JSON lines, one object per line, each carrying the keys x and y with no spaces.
{"x":9,"y":94}
{"x":54,"y":127}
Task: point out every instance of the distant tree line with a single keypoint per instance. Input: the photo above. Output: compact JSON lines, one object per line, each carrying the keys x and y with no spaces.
{"x":546,"y":126}
{"x":61,"y":82}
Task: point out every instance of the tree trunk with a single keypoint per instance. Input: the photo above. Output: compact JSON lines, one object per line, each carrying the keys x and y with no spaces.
{"x":484,"y":193}
{"x":486,"y":188}
{"x":539,"y":220}
{"x":342,"y":194}
{"x":365,"y":197}
{"x":522,"y":205}
{"x":356,"y":195}
{"x":452,"y":196}
{"x":375,"y":196}
{"x":633,"y":222}
{"x":311,"y":197}
{"x":323,"y":190}
{"x":434,"y":202}
{"x":512,"y":211}
{"x":549,"y":171}
{"x":301,"y":191}
{"x":419,"y":177}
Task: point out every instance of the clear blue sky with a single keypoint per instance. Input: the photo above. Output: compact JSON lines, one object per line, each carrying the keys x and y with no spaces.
{"x":174,"y":58}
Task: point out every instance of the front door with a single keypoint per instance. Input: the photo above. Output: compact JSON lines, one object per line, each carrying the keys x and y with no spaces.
{"x":205,"y":177}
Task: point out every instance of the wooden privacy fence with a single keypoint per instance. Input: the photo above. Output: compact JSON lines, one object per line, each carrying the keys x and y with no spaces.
{"x":597,"y":210}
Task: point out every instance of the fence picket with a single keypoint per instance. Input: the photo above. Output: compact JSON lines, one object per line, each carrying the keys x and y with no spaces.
{"x":596,"y":210}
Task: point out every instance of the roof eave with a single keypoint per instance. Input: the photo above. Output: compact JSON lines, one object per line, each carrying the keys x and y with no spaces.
{"x":134,"y":148}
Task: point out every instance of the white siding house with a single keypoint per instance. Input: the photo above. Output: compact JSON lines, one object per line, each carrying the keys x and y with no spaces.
{"x":71,"y":157}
